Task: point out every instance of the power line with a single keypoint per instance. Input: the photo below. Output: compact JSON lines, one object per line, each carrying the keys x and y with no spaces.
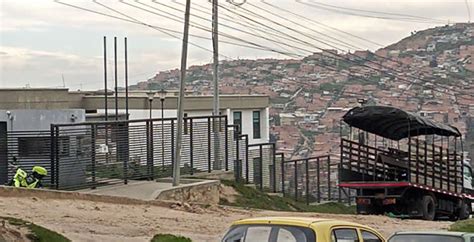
{"x":204,"y":28}
{"x":337,"y":55}
{"x":338,"y":10}
{"x":165,"y":31}
{"x":328,"y":27}
{"x":378,"y":12}
{"x":150,"y":25}
{"x":388,"y":59}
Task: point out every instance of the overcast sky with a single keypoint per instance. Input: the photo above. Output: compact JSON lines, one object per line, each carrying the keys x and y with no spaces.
{"x":42,"y":40}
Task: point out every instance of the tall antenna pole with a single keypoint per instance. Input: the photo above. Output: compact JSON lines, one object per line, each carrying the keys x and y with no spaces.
{"x":215,"y":77}
{"x":126,"y":79}
{"x":64,"y":82}
{"x":179,"y":136}
{"x":105,"y":80}
{"x":115,"y":77}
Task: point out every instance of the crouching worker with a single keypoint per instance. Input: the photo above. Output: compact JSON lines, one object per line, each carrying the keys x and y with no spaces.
{"x":32,"y":180}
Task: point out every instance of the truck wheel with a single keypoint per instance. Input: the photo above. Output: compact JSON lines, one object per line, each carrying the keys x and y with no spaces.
{"x":428,"y":208}
{"x":464,"y":211}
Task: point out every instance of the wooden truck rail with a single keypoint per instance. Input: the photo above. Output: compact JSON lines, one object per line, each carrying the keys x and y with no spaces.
{"x":424,"y":164}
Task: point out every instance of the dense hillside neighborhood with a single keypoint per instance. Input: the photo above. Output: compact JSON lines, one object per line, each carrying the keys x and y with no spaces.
{"x":430,"y":72}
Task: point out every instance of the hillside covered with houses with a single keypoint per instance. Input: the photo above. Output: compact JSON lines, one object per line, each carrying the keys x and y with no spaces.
{"x":430,"y":72}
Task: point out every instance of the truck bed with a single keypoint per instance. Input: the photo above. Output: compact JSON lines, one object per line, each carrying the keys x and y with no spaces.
{"x":421,"y":164}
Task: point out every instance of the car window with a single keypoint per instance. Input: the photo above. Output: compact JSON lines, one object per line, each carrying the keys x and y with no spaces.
{"x":295,"y":234}
{"x":370,"y":237}
{"x":269,"y":233}
{"x":258,"y":233}
{"x":472,"y":239}
{"x":345,"y":235}
{"x":424,"y":238}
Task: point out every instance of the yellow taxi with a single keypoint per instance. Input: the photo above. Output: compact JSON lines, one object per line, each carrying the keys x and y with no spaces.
{"x":299,"y":229}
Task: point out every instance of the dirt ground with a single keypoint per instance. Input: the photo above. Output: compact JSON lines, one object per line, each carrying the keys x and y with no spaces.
{"x":82,"y":220}
{"x":10,"y":232}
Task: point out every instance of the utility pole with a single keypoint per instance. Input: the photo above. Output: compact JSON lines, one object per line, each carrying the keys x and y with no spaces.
{"x":179,"y":136}
{"x":215,"y":46}
{"x":116,"y":79}
{"x":105,"y":81}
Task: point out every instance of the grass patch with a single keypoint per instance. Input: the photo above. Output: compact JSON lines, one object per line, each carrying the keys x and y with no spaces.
{"x":169,"y":238}
{"x":253,"y":198}
{"x":38,"y":233}
{"x":463,"y":226}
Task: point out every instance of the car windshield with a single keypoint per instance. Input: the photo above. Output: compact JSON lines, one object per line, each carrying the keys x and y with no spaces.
{"x":424,"y":238}
{"x":269,"y":233}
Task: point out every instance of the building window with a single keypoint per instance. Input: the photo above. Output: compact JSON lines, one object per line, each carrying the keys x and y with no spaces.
{"x":256,"y":125}
{"x":238,"y":120}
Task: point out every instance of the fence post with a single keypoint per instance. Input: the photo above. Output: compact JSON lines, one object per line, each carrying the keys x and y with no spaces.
{"x":148,"y":149}
{"x":238,"y":174}
{"x":318,"y":171}
{"x":209,"y":153}
{"x":172,"y":146}
{"x":56,"y":154}
{"x":307,"y":181}
{"x":296,"y":181}
{"x":124,"y":149}
{"x":191,"y":146}
{"x":283,"y":174}
{"x":226,"y":144}
{"x":329,"y":178}
{"x":247,"y":158}
{"x":93,"y":140}
{"x":274,"y":167}
{"x":51,"y":154}
{"x":261,"y":166}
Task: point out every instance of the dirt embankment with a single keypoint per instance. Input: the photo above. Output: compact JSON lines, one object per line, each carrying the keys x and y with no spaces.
{"x":82,"y":220}
{"x":9,"y":232}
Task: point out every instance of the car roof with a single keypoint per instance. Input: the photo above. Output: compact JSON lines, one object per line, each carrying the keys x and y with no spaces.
{"x":297,"y":221}
{"x":432,"y":232}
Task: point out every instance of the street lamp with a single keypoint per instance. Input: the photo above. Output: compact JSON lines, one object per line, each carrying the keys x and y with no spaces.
{"x":162,"y":94}
{"x":150,"y":95}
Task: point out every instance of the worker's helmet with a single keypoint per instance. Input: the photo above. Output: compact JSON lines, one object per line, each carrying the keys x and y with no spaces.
{"x":39,"y":171}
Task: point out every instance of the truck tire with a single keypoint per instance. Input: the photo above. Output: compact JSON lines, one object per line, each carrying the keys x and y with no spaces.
{"x":428,"y":208}
{"x":464,"y":211}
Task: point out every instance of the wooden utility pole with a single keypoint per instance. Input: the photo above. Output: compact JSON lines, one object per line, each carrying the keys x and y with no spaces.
{"x":179,"y":136}
{"x":216,"y":106}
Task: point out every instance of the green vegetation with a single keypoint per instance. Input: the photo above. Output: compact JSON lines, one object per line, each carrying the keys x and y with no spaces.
{"x":169,"y":238}
{"x":37,"y":233}
{"x":463,"y":226}
{"x":331,"y":87}
{"x":253,"y":198}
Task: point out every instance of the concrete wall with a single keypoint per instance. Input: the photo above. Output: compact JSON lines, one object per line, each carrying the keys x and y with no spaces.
{"x":247,"y":124}
{"x":247,"y":119}
{"x":39,"y":119}
{"x":204,"y":192}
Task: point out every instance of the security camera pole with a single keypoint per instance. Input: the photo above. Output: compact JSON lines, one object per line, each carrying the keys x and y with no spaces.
{"x":179,"y":136}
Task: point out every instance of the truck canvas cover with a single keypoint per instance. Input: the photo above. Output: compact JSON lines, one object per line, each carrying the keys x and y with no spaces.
{"x":395,"y":124}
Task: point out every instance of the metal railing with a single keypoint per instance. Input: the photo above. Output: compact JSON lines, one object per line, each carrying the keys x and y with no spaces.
{"x":104,"y":153}
{"x":312,"y":180}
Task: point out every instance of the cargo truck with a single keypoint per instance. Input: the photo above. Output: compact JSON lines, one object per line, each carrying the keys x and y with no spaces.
{"x":405,"y":165}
